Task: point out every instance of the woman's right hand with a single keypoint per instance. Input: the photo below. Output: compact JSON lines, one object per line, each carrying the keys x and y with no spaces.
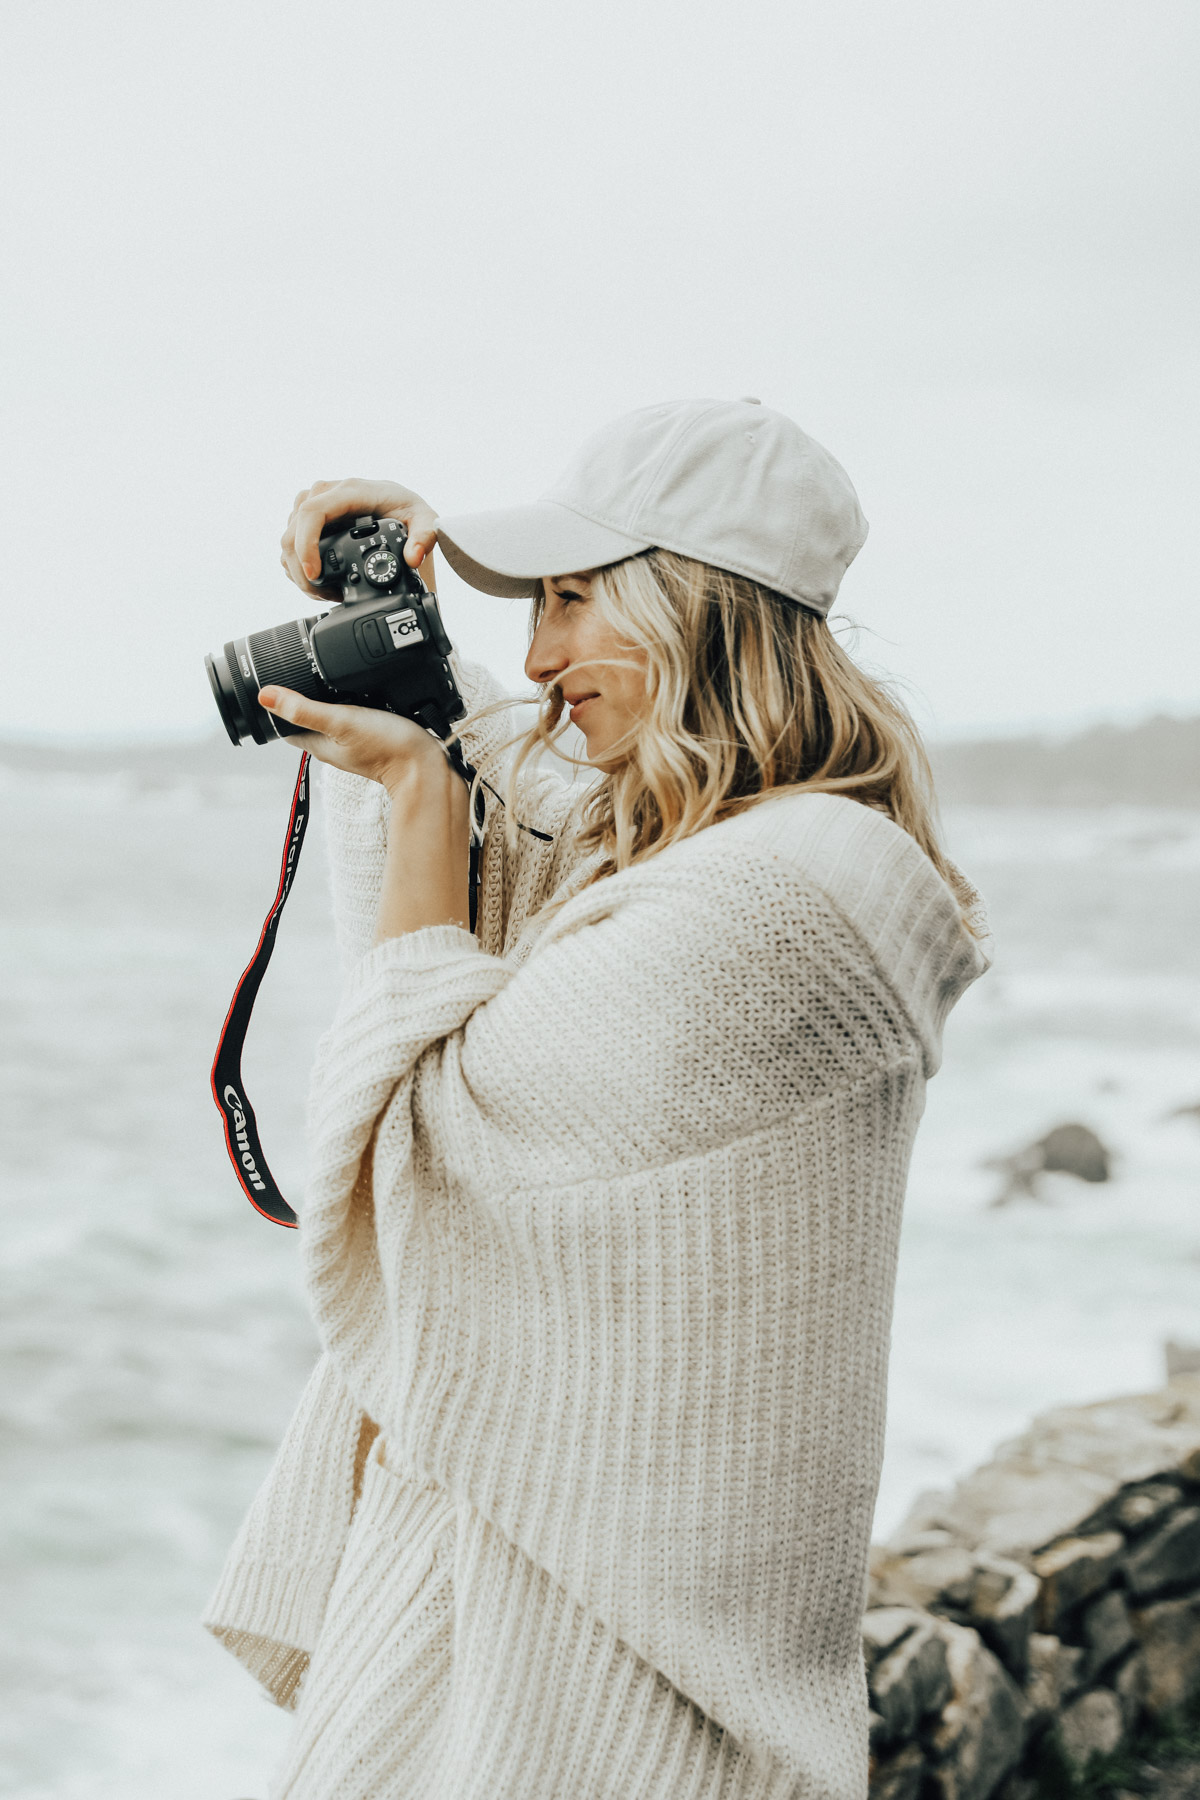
{"x":314,"y":507}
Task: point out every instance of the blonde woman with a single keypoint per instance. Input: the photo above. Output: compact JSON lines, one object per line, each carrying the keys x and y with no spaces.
{"x":601,"y":1232}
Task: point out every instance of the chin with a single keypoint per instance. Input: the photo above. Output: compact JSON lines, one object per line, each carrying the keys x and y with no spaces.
{"x":600,"y":755}
{"x":600,"y":759}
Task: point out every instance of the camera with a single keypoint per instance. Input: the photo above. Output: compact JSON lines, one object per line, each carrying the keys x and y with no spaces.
{"x":384,"y":646}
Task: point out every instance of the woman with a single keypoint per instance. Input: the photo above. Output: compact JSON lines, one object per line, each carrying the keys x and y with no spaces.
{"x":601,"y":1232}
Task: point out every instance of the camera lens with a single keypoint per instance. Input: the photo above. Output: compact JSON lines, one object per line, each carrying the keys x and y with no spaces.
{"x":251,"y":663}
{"x":221,"y":683}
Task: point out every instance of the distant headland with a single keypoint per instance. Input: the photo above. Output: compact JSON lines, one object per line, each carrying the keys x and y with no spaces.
{"x":1156,"y":763}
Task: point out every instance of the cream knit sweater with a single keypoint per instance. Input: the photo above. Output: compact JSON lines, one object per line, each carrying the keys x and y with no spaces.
{"x":601,"y":1235}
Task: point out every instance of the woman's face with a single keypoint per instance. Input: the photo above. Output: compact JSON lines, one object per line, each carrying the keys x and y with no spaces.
{"x":604,"y":701}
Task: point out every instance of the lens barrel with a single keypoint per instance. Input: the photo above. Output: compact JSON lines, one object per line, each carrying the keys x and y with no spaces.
{"x":252,"y":663}
{"x":221,"y":683}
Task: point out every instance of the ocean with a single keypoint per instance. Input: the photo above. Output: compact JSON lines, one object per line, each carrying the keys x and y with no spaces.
{"x":153,"y":1337}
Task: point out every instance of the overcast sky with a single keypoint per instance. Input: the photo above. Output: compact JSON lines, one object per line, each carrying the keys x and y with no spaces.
{"x":249,"y":246}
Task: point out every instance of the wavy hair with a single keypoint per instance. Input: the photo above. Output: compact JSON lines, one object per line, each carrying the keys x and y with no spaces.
{"x":748,"y":694}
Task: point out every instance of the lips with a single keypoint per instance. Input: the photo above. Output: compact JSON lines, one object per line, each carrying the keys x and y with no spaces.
{"x":580,"y":702}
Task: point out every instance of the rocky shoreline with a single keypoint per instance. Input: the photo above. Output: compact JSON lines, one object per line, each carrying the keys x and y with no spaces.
{"x":1046,"y":1612}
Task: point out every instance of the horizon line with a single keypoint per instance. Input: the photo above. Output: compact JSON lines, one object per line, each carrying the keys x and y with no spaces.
{"x":1052,"y":727}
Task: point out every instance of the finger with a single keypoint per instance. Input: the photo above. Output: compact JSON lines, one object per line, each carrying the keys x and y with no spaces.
{"x":287,"y":542}
{"x":300,"y":542}
{"x":422,"y":536}
{"x":289,"y":559}
{"x":324,"y":500}
{"x":424,"y":561}
{"x":310,"y":715}
{"x":327,"y":501}
{"x":291,"y":563}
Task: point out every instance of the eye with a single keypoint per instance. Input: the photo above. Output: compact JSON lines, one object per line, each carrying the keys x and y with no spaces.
{"x":566,"y":595}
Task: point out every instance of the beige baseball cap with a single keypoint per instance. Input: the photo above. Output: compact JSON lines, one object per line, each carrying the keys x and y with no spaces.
{"x":729,"y":482}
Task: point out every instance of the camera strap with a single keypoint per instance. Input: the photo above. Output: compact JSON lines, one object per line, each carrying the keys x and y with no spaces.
{"x":241,"y":1128}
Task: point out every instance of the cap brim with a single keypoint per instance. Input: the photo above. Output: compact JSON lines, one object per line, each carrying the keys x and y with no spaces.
{"x":508,"y":551}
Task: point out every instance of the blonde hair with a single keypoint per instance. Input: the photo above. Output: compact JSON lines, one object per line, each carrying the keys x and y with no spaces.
{"x":749,"y":694}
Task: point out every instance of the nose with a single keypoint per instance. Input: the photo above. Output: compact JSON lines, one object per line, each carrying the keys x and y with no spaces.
{"x":547,"y":656}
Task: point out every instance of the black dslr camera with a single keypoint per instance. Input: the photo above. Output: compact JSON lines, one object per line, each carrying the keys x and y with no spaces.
{"x":385,"y":646}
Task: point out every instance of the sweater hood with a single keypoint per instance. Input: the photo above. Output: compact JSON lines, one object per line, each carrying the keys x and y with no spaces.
{"x":928,"y":944}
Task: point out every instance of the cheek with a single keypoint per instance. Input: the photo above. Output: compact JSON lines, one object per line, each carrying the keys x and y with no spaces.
{"x":629,"y":683}
{"x":625,"y":680}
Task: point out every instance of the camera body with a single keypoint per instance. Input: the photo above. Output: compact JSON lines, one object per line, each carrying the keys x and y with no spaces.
{"x":384,"y":646}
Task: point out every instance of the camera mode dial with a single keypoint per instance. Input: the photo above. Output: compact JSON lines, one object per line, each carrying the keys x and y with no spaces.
{"x":381,"y":567}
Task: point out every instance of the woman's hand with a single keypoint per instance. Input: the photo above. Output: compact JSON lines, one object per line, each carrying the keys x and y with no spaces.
{"x":314,"y":507}
{"x":360,"y":739}
{"x":425,"y":878}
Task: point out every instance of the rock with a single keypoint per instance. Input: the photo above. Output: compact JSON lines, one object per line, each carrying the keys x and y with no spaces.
{"x":911,"y":1681}
{"x":1018,"y":1787}
{"x":1091,"y":1726}
{"x":1066,"y":1150}
{"x":997,"y":1596}
{"x":927,"y":1513}
{"x":898,"y":1777}
{"x":1181,"y":1359}
{"x":1065,"y":1476}
{"x":1012,"y":1510}
{"x":1055,"y":1671}
{"x":1169,"y":1635}
{"x":1070,"y":1571}
{"x":933,"y":1539}
{"x":1170,"y":1557}
{"x":981,"y":1733}
{"x":928,"y":1580}
{"x":1075,"y":1150}
{"x":1107,"y":1630}
{"x":882,"y":1629}
{"x":1140,"y":1508}
{"x":1004,"y":1602}
{"x":1128,"y":1684}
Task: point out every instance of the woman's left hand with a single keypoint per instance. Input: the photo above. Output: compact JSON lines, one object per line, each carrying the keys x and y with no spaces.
{"x":426,"y":870}
{"x":360,"y":739}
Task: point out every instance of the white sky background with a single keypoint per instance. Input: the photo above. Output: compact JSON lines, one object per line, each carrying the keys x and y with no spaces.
{"x":249,"y":246}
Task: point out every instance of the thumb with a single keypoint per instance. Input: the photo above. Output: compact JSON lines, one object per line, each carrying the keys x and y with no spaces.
{"x":422,"y":537}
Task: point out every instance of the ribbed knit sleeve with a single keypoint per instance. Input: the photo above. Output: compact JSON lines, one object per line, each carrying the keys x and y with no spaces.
{"x":270,"y":1603}
{"x":515,"y":880}
{"x":606,"y":1243}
